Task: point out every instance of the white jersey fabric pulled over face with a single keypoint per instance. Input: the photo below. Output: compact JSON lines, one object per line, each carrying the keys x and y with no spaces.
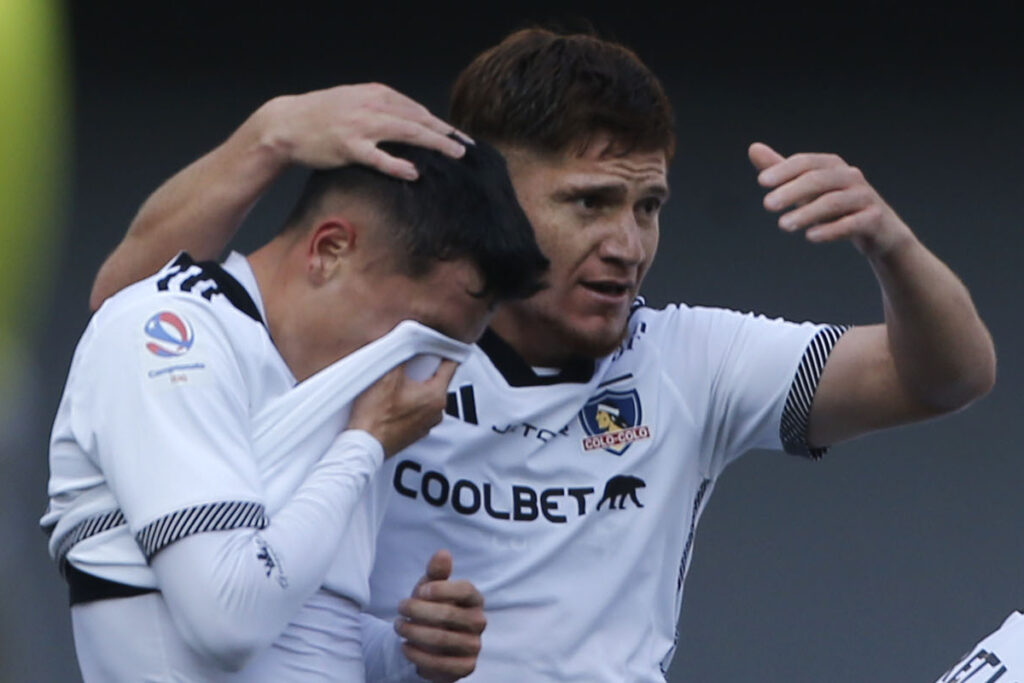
{"x":179,"y":418}
{"x":999,"y":657}
{"x":572,"y":501}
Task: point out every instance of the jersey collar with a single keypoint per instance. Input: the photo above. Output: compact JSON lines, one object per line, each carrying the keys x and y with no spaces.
{"x":518,"y":373}
{"x":225,"y":283}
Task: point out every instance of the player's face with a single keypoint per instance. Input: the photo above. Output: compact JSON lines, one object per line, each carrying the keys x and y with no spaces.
{"x":441,"y":299}
{"x":596,"y":219}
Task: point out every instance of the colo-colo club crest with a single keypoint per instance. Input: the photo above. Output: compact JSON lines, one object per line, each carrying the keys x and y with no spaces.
{"x":612,"y":421}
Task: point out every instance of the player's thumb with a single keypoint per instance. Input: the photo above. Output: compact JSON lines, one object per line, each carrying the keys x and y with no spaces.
{"x":762,"y":156}
{"x":440,"y":566}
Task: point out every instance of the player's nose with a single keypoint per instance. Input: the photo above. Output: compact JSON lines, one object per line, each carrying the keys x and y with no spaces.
{"x":623,"y":242}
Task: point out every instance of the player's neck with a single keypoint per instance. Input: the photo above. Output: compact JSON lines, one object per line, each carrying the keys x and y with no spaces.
{"x":302,"y":334}
{"x":526,"y":336}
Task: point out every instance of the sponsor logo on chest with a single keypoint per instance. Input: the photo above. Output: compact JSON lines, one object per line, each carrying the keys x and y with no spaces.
{"x":517,"y":502}
{"x":612,"y":422}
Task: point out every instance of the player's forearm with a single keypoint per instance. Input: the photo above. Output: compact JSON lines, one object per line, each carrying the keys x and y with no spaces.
{"x":942,"y":350}
{"x":232,"y":593}
{"x":200,"y":208}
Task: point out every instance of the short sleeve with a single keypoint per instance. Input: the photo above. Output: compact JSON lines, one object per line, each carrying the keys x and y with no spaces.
{"x":170,"y":419}
{"x":796,"y":414}
{"x":751,"y":378}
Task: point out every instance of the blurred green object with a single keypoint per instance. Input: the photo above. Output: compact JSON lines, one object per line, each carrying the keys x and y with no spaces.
{"x":34,"y":141}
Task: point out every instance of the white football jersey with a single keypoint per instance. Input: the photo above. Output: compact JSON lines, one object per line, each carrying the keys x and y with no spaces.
{"x":133,"y":472}
{"x":571,"y":500}
{"x":999,"y":657}
{"x":186,"y":328}
{"x":257,"y":432}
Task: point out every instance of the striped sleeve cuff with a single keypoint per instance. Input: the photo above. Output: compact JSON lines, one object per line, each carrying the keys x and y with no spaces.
{"x":159,"y":534}
{"x":87,"y":528}
{"x":797,"y":412}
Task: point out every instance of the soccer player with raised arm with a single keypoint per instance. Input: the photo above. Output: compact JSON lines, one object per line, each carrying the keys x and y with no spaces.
{"x":213,"y":499}
{"x":578,"y":528}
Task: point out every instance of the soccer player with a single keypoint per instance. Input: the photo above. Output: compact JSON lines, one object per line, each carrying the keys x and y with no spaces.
{"x":579,"y":535}
{"x":212,"y":513}
{"x":999,"y":655}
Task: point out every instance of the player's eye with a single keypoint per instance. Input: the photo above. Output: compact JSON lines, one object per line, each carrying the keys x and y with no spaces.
{"x":650,"y":206}
{"x":589,"y":202}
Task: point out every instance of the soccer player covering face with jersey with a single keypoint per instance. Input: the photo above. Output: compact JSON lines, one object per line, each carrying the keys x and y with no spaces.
{"x":212,"y":514}
{"x":586,"y":431}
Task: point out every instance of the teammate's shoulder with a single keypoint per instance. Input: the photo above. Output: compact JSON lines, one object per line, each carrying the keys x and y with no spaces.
{"x":204,"y":286}
{"x":696,"y":314}
{"x":180,"y":299}
{"x":208,"y":281}
{"x":642,"y":312}
{"x":692,"y":324}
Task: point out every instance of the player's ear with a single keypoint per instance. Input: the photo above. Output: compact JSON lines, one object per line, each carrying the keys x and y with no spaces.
{"x":330,"y":246}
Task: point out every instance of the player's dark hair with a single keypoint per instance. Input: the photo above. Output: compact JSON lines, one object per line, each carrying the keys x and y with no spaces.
{"x":553,"y":93}
{"x":458,"y":208}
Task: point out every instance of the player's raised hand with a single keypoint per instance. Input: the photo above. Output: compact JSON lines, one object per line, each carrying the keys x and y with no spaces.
{"x":398,"y":410}
{"x":828,"y":199}
{"x":342,"y":125}
{"x":441,"y":623}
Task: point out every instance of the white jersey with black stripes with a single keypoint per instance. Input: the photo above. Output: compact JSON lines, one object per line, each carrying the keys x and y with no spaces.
{"x":571,"y":500}
{"x":189,"y":472}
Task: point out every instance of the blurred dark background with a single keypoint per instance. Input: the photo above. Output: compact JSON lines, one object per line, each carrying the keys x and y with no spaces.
{"x":884,"y":562}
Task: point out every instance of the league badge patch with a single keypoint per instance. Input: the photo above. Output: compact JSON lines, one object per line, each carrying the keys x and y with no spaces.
{"x":612,"y":421}
{"x":169,"y":334}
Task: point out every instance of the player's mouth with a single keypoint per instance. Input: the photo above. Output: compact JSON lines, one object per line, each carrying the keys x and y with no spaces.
{"x":609,"y":290}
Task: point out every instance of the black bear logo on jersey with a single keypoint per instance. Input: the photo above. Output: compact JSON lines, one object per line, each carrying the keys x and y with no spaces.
{"x":612,"y":421}
{"x":619,"y":487}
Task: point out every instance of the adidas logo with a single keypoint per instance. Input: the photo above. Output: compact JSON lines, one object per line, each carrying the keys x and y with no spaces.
{"x":462,"y":405}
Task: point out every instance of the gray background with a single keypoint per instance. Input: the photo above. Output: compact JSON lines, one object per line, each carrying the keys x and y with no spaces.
{"x":882,"y":563}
